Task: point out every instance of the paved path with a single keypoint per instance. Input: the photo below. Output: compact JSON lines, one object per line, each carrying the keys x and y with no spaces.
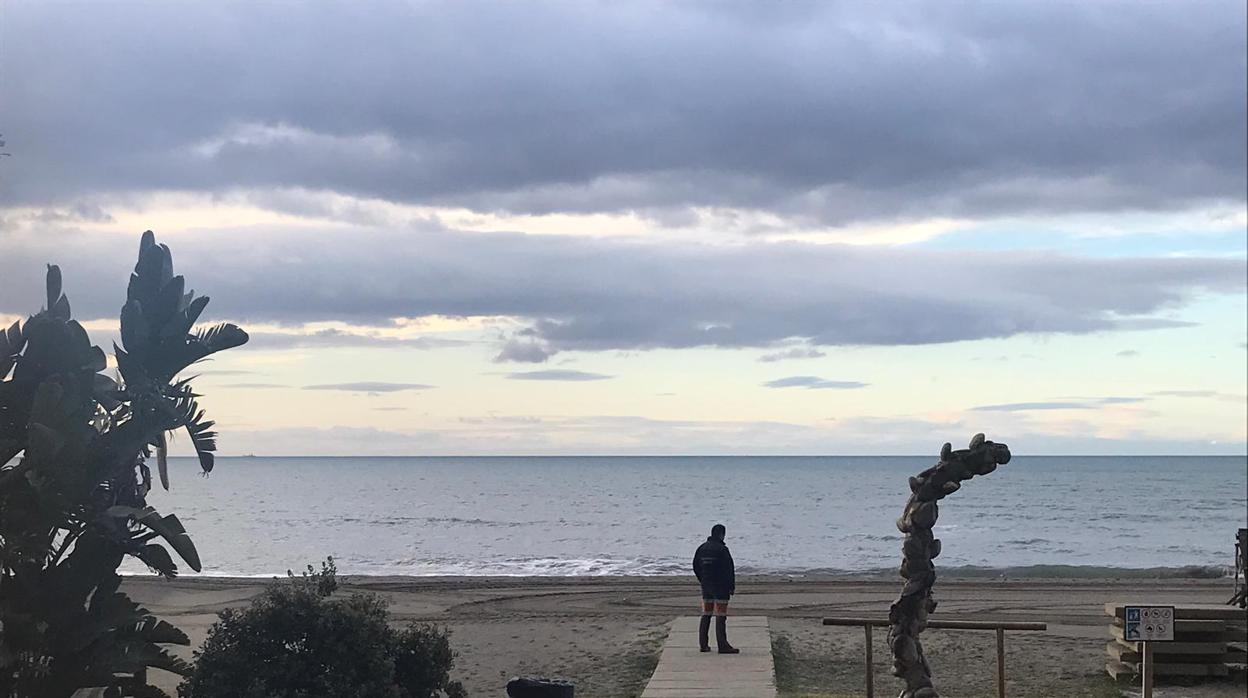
{"x":684,"y":672}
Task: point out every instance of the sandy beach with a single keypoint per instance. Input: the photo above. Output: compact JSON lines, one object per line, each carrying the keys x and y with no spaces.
{"x":603,"y":633}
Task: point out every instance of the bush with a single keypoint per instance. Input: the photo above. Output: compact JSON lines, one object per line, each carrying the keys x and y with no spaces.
{"x":299,"y":641}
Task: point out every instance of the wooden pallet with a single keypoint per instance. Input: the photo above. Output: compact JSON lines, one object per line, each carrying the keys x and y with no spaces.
{"x":1131,"y":671}
{"x":1206,"y":643}
{"x":1133,"y":656}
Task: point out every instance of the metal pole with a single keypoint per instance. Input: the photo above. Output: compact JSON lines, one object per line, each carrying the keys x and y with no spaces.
{"x":870,"y":678}
{"x":1147,"y":669}
{"x":1000,"y":663}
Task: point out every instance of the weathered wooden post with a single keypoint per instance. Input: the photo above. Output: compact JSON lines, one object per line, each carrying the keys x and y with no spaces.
{"x":908,"y":615}
{"x":1146,"y":668}
{"x":1000,"y":662}
{"x":870,"y":662}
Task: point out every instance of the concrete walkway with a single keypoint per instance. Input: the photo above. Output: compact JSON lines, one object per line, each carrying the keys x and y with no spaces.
{"x":684,"y":672}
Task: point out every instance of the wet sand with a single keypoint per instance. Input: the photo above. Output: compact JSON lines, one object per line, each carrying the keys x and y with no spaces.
{"x":603,"y":633}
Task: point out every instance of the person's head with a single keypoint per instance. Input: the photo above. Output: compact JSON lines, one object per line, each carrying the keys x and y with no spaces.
{"x":718,"y":531}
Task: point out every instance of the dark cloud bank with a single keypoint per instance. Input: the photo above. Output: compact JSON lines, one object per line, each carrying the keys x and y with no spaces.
{"x":825,"y":111}
{"x":596,"y":294}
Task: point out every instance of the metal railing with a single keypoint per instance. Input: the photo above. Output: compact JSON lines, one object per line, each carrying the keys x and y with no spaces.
{"x":999,"y":626}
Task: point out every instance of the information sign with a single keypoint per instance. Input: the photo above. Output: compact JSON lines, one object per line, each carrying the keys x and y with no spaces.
{"x":1148,"y":624}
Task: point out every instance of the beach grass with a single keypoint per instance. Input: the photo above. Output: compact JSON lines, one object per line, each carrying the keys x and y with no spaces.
{"x":809,"y":671}
{"x":635,"y":670}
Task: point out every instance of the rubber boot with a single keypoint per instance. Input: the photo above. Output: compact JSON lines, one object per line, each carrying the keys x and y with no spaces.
{"x":721,"y":636}
{"x":704,"y":631}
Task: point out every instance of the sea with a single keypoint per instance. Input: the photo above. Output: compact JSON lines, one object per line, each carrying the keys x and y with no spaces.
{"x":799,"y":516}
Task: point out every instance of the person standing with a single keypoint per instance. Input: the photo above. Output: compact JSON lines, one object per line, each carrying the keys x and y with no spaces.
{"x":712,"y":565}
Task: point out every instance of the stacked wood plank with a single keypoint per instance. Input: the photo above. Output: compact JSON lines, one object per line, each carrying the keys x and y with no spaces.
{"x":1209,"y":640}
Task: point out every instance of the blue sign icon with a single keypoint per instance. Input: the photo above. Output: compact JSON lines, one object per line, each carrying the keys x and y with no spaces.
{"x":1133,"y":614}
{"x":1133,"y":630}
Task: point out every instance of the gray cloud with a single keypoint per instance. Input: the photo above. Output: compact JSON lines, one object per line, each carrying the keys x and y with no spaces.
{"x":1033,"y":406}
{"x":795,"y":353}
{"x":369,"y":387}
{"x":1185,"y":393}
{"x":1239,"y":398}
{"x":339,"y":338}
{"x":1127,"y":353}
{"x":1090,"y":403}
{"x":1120,"y":400}
{"x":605,"y":294}
{"x":1068,"y":403}
{"x":824,"y":111}
{"x":558,"y":375}
{"x":523,"y":352}
{"x":813,"y":383}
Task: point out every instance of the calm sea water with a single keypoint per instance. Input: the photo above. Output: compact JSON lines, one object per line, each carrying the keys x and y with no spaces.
{"x":577,"y":516}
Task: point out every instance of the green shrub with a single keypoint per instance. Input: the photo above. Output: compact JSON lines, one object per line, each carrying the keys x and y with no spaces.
{"x":297,"y":640}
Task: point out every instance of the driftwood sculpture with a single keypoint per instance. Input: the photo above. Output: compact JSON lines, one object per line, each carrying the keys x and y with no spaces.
{"x":1240,"y":598}
{"x":908,"y":616}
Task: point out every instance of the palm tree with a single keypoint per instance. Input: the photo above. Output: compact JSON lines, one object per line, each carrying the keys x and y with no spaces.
{"x":75,"y":448}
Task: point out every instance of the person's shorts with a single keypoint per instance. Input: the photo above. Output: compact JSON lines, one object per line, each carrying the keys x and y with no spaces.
{"x":714,"y":603}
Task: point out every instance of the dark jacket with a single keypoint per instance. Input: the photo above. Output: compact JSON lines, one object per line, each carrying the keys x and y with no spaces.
{"x":712,"y":564}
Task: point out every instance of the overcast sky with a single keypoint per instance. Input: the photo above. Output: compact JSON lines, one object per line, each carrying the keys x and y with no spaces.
{"x":464,"y":228}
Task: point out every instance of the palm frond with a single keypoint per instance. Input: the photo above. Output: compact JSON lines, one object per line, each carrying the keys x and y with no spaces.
{"x":180,"y":325}
{"x":130,"y":368}
{"x":203,"y":438}
{"x":157,"y":558}
{"x":162,"y":460}
{"x":106,"y":392}
{"x":168,"y":303}
{"x":135,"y":330}
{"x":160,"y":632}
{"x":11,"y":343}
{"x":53,"y":285}
{"x":182,"y":388}
{"x":61,"y":309}
{"x":167,"y":527}
{"x":153,"y":270}
{"x":221,"y":337}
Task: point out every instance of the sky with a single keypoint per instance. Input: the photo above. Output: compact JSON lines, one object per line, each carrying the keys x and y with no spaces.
{"x":657,"y":228}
